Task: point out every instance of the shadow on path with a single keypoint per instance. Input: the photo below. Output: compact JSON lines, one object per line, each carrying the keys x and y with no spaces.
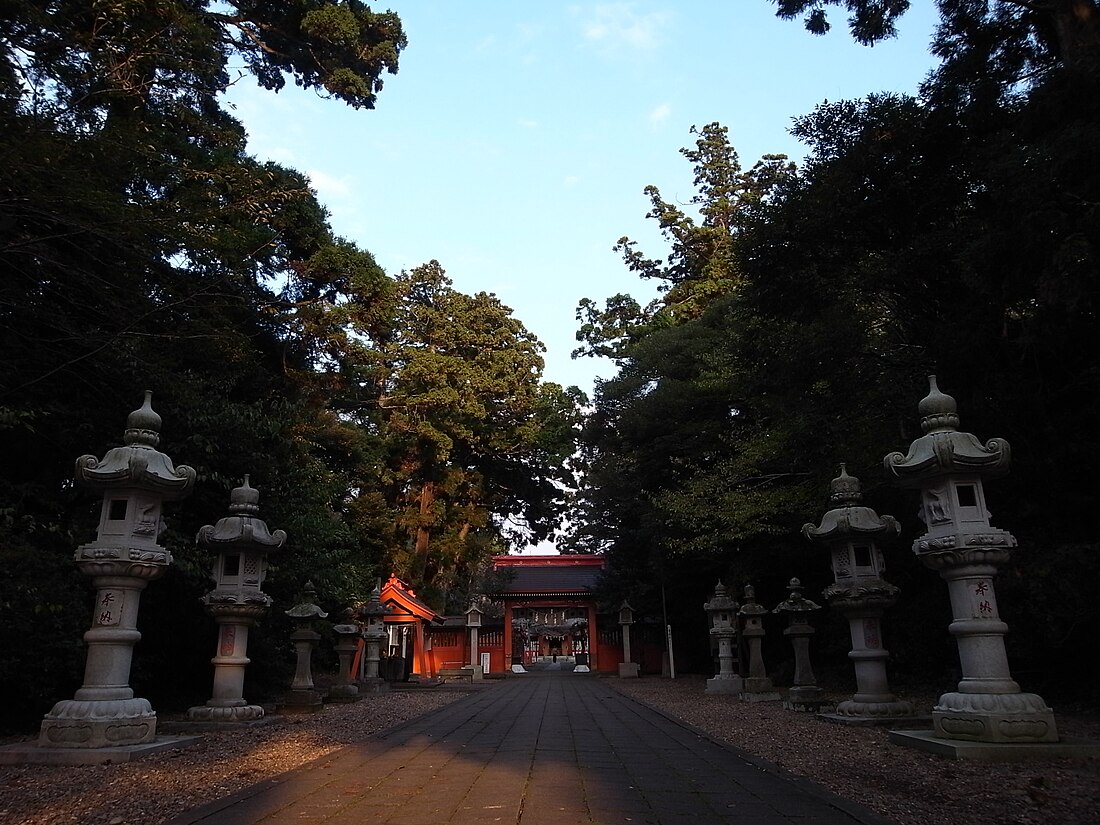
{"x":552,"y":748}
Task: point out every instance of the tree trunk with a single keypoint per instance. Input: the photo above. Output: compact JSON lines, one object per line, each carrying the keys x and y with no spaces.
{"x":1077,"y":24}
{"x":423,"y":531}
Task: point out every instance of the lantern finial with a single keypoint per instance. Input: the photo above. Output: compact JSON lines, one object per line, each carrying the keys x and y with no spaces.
{"x":143,"y":424}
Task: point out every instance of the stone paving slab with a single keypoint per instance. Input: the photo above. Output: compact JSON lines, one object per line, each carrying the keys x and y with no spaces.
{"x":536,"y":749}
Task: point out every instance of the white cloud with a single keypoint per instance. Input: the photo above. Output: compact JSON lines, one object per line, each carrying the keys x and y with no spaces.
{"x":328,"y":186}
{"x":527,"y":123}
{"x":571,"y":181}
{"x":659,"y":114}
{"x":618,"y":24}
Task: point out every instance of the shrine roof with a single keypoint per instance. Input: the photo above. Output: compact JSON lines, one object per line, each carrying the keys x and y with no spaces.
{"x":402,"y":601}
{"x":549,"y":575}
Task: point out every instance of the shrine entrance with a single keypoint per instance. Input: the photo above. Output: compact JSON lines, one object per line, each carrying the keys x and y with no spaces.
{"x":550,"y":609}
{"x":550,"y":633}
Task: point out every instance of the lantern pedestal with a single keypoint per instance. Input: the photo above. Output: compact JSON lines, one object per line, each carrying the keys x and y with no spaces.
{"x":628,"y":670}
{"x":105,"y":712}
{"x":988,"y":705}
{"x":227,"y":703}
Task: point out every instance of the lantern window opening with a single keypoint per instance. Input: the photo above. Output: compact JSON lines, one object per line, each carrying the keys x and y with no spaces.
{"x":862,"y":555}
{"x":231,"y":565}
{"x":967,"y":495}
{"x":117,"y":509}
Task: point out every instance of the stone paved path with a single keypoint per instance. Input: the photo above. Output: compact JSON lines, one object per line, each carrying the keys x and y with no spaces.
{"x":540,"y":749}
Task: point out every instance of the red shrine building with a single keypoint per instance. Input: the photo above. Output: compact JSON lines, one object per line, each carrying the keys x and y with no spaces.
{"x":549,"y":614}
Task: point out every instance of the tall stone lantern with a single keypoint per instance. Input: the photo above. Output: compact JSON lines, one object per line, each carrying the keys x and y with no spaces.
{"x":473,"y":622}
{"x":135,"y":480}
{"x":242,"y":542}
{"x":849,"y":531}
{"x":947,"y":466}
{"x":722,"y":611}
{"x":628,"y":668}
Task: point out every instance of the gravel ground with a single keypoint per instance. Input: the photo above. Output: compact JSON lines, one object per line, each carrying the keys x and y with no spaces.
{"x":909,"y":787}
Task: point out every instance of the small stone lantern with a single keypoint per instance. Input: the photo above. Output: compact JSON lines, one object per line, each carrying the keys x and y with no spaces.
{"x":473,"y":621}
{"x":124,"y":557}
{"x":722,"y":610}
{"x":373,"y":613}
{"x":861,"y":593}
{"x":947,"y":467}
{"x":758,"y":685}
{"x":348,"y":635}
{"x":628,"y":669}
{"x":302,"y":697}
{"x":804,"y":695}
{"x":242,"y":542}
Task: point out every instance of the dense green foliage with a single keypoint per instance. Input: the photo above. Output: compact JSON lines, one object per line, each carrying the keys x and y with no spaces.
{"x":142,"y":247}
{"x":956,"y":233}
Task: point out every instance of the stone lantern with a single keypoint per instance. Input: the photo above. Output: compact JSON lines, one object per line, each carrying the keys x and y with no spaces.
{"x":348,"y":635}
{"x":722,"y":610}
{"x":124,"y":557}
{"x":861,"y":594}
{"x":302,"y":697}
{"x":758,"y":685}
{"x":473,"y":621}
{"x":947,"y":466}
{"x":804,"y":694}
{"x":373,"y":613}
{"x":242,"y":542}
{"x":628,"y":669}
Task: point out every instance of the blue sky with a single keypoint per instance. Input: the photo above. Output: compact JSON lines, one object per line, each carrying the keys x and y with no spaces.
{"x":515,"y":141}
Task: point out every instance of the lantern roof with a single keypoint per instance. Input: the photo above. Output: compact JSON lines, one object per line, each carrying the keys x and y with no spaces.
{"x":242,"y":529}
{"x":943,"y":450}
{"x":721,"y":600}
{"x":138,"y":463}
{"x":751,"y":607}
{"x":374,"y":607}
{"x":796,"y":602}
{"x":850,"y":520}
{"x":307,"y":609}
